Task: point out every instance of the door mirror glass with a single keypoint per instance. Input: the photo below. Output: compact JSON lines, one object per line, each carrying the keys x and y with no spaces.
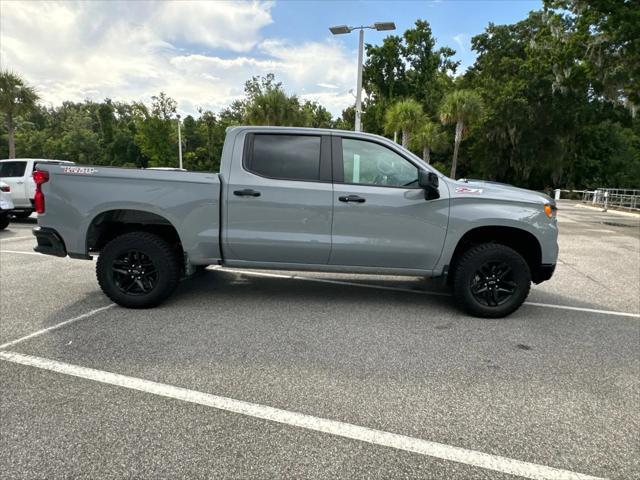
{"x":429,"y":181}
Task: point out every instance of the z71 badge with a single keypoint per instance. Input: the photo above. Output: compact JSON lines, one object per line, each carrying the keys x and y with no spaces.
{"x":80,"y":170}
{"x":476,"y":191}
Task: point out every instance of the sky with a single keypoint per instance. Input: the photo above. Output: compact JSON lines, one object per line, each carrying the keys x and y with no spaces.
{"x":201,"y":53}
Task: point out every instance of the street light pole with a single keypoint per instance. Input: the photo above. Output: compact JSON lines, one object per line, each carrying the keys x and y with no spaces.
{"x":342,"y":29}
{"x":179,"y":144}
{"x":358,"y":126}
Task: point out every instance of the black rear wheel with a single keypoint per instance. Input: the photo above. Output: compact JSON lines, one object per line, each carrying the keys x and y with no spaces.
{"x":138,"y":270}
{"x":4,"y":221}
{"x":491,"y":280}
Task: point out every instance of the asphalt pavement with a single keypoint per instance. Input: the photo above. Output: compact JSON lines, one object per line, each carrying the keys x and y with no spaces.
{"x":302,"y":375}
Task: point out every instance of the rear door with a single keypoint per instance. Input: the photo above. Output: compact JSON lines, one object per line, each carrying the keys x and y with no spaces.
{"x":279,"y":200}
{"x":381,"y":218}
{"x":13,"y":172}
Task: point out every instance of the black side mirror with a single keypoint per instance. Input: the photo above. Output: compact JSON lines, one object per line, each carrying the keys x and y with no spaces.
{"x":429,"y":181}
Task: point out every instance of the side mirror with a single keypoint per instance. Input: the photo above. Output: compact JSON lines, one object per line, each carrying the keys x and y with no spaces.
{"x":429,"y":181}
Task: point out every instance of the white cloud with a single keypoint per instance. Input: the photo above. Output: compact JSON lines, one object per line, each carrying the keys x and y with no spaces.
{"x":232,"y":25}
{"x":462,"y":39}
{"x":132,"y":50}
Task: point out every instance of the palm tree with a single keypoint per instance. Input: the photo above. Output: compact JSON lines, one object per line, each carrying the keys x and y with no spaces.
{"x":429,"y":138}
{"x":16,"y":98}
{"x":273,"y":107}
{"x":462,"y":107}
{"x":404,"y":115}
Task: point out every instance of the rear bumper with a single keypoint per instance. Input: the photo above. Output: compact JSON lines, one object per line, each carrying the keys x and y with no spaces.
{"x":545,"y":272}
{"x":49,"y":242}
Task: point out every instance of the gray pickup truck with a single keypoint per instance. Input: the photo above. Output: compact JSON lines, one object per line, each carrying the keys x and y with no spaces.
{"x":299,"y":199}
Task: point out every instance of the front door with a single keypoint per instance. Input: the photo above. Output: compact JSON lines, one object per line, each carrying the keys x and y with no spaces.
{"x":381,"y":217}
{"x":279,"y":200}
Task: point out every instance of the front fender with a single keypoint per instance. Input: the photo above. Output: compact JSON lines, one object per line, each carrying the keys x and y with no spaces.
{"x":468,"y":214}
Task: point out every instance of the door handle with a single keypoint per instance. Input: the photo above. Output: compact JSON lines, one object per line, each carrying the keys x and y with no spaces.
{"x":19,"y":183}
{"x":351,"y":198}
{"x":247,"y":192}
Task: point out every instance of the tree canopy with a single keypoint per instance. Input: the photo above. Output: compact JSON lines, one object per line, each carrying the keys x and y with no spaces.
{"x":550,"y":101}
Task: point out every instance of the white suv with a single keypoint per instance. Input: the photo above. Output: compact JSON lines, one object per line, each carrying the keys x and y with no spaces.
{"x":17,"y":173}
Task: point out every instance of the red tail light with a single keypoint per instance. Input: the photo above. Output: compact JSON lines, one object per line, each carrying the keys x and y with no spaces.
{"x":5,"y":189}
{"x":40,"y":177}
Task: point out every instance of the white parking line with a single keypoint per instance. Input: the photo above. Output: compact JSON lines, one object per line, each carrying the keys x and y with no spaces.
{"x":2,"y":240}
{"x":55,"y":327}
{"x":377,"y":437}
{"x":24,"y":253}
{"x":421,"y":292}
{"x":582,"y":309}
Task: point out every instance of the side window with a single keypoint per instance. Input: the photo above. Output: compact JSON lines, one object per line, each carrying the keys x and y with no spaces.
{"x":368,"y":163}
{"x":291,"y":157}
{"x":12,"y":169}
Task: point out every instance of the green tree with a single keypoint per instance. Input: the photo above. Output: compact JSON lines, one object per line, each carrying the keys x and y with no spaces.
{"x":315,"y":115}
{"x":462,"y":108}
{"x":273,"y":107}
{"x":156,"y":134}
{"x":16,"y":98}
{"x":428,"y":138}
{"x":405,"y":116}
{"x":608,"y":34}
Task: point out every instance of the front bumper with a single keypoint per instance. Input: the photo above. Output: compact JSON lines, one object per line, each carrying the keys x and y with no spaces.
{"x":49,"y":242}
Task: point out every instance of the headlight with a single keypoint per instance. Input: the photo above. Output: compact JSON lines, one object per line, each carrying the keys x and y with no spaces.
{"x":550,"y":210}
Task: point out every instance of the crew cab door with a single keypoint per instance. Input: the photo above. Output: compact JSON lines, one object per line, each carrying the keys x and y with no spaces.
{"x":381,"y":217}
{"x":279,"y":200}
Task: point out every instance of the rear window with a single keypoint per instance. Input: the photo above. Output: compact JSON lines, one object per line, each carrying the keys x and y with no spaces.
{"x":12,"y":169}
{"x":290,"y":157}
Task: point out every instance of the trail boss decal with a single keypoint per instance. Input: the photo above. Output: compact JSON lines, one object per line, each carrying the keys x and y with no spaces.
{"x":476,"y":191}
{"x":80,"y":170}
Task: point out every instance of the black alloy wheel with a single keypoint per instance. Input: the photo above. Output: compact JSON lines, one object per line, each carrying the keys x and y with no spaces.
{"x":134,"y":273}
{"x":493,"y":284}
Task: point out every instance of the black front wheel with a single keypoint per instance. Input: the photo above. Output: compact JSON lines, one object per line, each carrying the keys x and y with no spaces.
{"x":4,"y":221}
{"x":491,"y":280}
{"x":138,"y":270}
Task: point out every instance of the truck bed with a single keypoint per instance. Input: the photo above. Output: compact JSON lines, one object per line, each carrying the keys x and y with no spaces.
{"x":79,"y":198}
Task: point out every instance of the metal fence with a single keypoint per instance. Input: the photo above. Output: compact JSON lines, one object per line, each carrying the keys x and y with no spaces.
{"x":613,"y":198}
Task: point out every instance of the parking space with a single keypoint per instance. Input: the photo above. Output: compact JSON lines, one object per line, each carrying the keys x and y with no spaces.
{"x":333,"y":375}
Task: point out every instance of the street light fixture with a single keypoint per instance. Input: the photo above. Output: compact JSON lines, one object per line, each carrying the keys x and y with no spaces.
{"x":341,"y":30}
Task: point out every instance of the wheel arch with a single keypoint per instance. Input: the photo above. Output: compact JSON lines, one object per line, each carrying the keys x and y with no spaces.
{"x":520,"y":240}
{"x":110,"y":224}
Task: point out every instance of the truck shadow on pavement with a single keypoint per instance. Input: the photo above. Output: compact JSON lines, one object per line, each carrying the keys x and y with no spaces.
{"x":307,"y":287}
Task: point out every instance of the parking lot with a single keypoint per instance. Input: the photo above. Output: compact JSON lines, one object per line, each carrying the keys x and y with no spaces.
{"x":300,"y":375}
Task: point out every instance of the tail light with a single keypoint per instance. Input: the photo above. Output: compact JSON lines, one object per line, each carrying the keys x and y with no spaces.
{"x":40,"y":177}
{"x":5,"y":188}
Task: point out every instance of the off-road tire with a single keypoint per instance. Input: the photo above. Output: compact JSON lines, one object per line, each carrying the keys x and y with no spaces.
{"x":163,"y":257}
{"x":466,"y":272}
